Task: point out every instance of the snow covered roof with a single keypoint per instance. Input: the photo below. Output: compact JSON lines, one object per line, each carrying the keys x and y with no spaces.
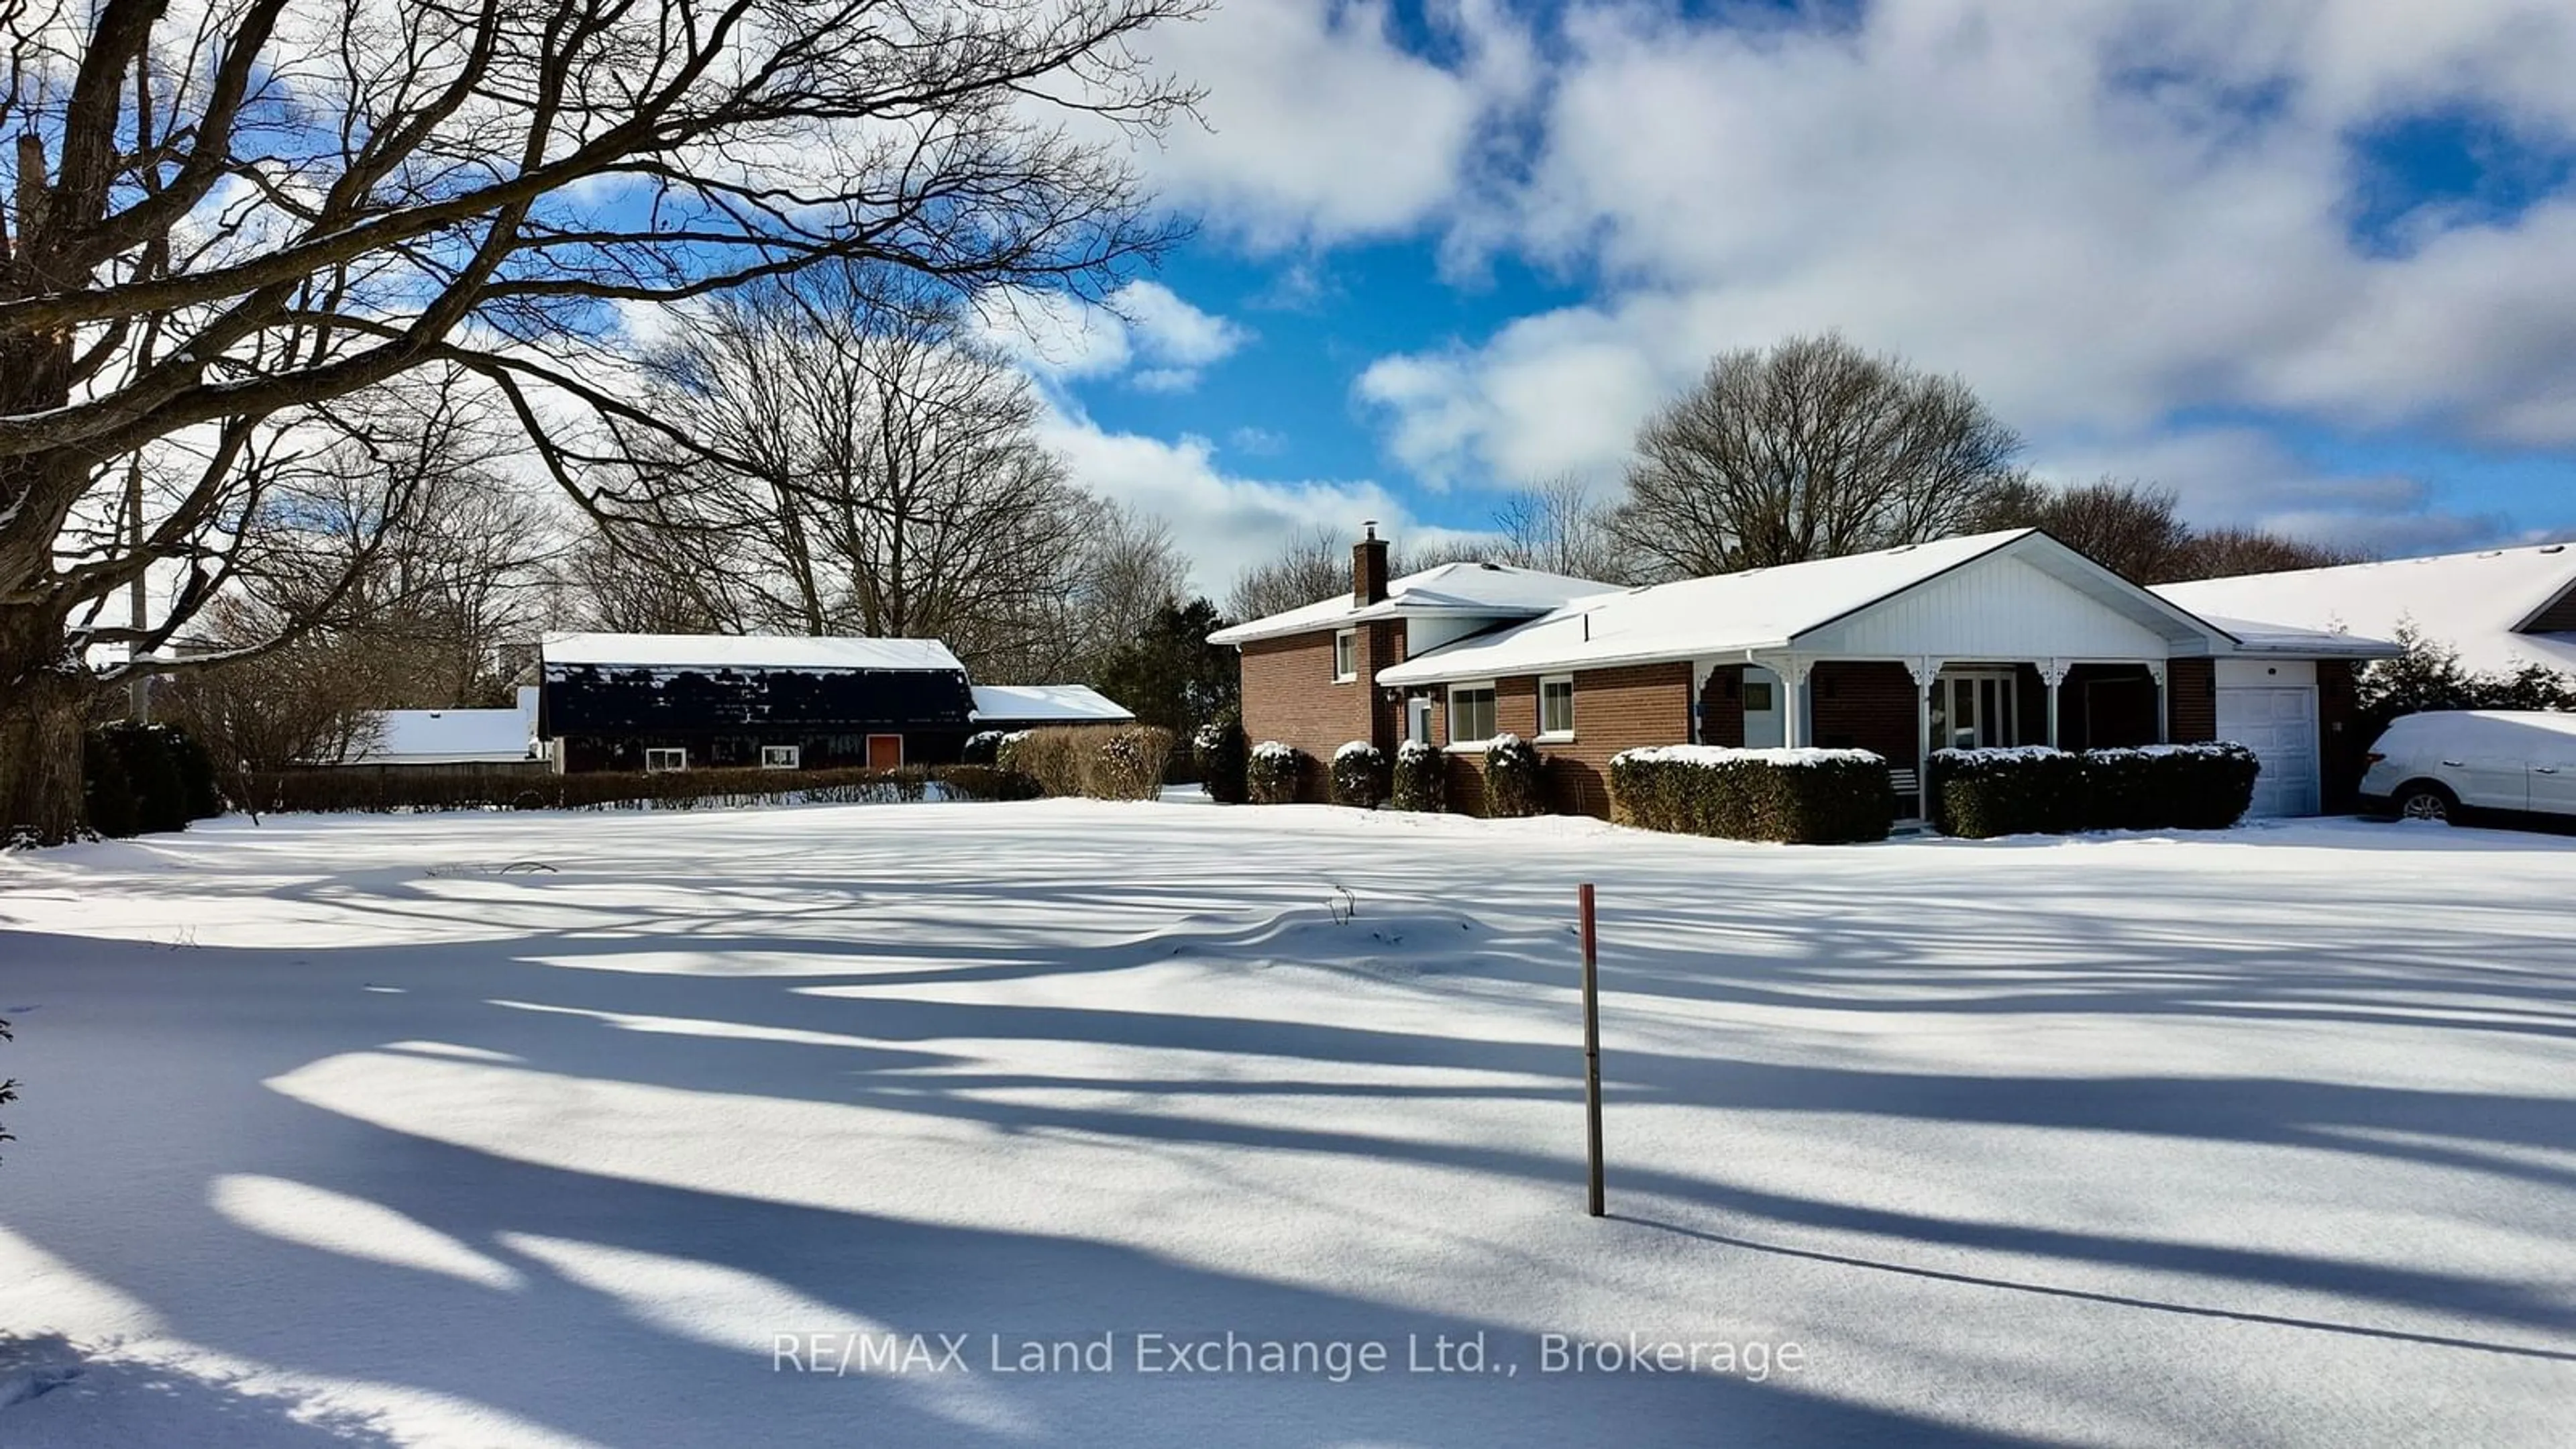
{"x":744,"y":651}
{"x":1069,"y":703}
{"x":450,"y":736}
{"x":1492,"y":590}
{"x":2472,"y":602}
{"x":1775,"y":608}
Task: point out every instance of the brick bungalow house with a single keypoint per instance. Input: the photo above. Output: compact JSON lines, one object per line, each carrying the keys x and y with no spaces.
{"x":1994,"y":639}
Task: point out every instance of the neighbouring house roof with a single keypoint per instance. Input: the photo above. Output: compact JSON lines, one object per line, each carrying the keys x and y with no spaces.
{"x":743,"y":651}
{"x":1473,"y":590}
{"x":2476,"y":603}
{"x":1794,"y":605}
{"x":1052,"y":703}
{"x":449,"y":737}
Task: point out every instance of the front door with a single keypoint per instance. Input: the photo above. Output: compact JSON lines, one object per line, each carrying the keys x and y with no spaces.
{"x":1765,"y":706}
{"x":885,"y":752}
{"x":1973,"y":709}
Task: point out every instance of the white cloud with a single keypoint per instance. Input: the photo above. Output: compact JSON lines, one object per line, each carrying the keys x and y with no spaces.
{"x":2103,"y":216}
{"x":1144,"y":325}
{"x":1319,"y":127}
{"x":1225,"y":521}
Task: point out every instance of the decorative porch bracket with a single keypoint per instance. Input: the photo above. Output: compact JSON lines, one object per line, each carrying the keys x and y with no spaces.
{"x":2052,"y":672}
{"x":2164,"y":704}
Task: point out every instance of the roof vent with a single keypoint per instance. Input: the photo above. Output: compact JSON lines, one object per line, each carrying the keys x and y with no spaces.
{"x":1489,"y":566}
{"x":2553,"y":548}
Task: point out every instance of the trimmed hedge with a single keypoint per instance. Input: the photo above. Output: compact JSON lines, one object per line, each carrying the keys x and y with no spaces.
{"x":364,"y":790}
{"x":138,"y":779}
{"x":1271,"y":775}
{"x":2023,"y":790}
{"x":1421,"y":778}
{"x":1512,"y":784}
{"x":1125,"y":763}
{"x":983,"y":747}
{"x":1805,"y":796}
{"x":2031,"y":789}
{"x":1359,"y":775}
{"x":1221,"y":753}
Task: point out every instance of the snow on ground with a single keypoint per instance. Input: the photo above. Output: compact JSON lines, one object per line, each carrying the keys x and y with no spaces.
{"x":370,"y":1130}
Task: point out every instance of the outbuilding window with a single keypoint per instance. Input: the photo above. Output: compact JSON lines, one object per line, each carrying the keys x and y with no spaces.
{"x":1346,"y":656}
{"x":1471,"y":713}
{"x":661,"y":761}
{"x":781,"y":757}
{"x":1556,"y":707}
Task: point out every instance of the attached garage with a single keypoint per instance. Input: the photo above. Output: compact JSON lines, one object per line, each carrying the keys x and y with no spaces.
{"x":2271,"y":708}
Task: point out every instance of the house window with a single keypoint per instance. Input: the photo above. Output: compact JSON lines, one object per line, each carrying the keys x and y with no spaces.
{"x":1346,"y":656}
{"x":1556,"y":708}
{"x":658,"y":761}
{"x":780,"y":757}
{"x":1471,"y":713}
{"x":1757,"y":696}
{"x":1417,"y":719}
{"x":1975,"y":709}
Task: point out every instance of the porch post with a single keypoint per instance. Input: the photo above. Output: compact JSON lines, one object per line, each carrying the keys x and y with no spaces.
{"x":1926,"y":671}
{"x":2052,"y":673}
{"x":1795,"y":730}
{"x":2164,"y":704}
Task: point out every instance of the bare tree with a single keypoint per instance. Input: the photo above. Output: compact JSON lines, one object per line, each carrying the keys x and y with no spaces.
{"x":1556,"y":527}
{"x":311,"y":700}
{"x":1810,"y":450}
{"x":229,"y":220}
{"x":1316,"y":565}
{"x":875,"y":470}
{"x":2131,"y":528}
{"x":2219,"y":553}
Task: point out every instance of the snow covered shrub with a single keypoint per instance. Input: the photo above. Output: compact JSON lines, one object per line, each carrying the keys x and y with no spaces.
{"x":199,"y":789}
{"x":981,"y":747}
{"x":1221,"y":757}
{"x":133,"y":781}
{"x":2032,"y":788}
{"x":1128,"y":763}
{"x":1052,"y":758}
{"x":1806,"y":796}
{"x":107,"y":796}
{"x":1421,"y":778}
{"x":2020,"y":790}
{"x":2205,"y":786}
{"x":1511,"y":777}
{"x":1272,"y":774}
{"x":1359,"y":775}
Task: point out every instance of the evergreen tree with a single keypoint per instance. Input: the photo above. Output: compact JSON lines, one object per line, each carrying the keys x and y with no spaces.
{"x":1170,"y":676}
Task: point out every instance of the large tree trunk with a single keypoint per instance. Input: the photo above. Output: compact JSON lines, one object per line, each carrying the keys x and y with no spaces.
{"x":44,"y":700}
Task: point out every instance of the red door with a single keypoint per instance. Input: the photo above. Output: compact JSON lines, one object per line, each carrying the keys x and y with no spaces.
{"x":885,"y":752}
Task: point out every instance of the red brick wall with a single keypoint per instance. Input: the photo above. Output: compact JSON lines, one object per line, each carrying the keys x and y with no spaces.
{"x":1614,"y":710}
{"x":1721,"y":707}
{"x":1290,"y":695}
{"x":1867,"y":706}
{"x":1617,"y":709}
{"x":2191,"y":700}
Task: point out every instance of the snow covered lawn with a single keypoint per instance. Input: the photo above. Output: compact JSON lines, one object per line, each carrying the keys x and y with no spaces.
{"x":368,"y":1130}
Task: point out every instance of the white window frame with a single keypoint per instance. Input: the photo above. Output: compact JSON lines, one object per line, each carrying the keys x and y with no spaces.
{"x":1473,"y":686}
{"x":782,"y":757}
{"x":675,"y":760}
{"x":1555,"y":736}
{"x":1417,"y":718}
{"x":1346,"y":651}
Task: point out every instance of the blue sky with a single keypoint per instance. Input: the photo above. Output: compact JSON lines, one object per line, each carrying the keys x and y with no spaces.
{"x":2312,"y":265}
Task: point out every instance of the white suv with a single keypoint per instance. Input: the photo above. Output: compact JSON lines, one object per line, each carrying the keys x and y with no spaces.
{"x":2432,"y":766}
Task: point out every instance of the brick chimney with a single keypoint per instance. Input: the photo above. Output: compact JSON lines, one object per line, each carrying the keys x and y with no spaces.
{"x":1368,"y":568}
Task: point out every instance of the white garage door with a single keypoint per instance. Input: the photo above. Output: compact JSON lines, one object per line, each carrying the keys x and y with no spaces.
{"x":2279,"y":723}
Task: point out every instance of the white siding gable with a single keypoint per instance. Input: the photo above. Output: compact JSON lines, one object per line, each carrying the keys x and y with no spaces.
{"x":1997,"y":607}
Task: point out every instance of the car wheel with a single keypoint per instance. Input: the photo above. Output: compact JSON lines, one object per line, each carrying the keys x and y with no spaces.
{"x":2426,"y":802}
